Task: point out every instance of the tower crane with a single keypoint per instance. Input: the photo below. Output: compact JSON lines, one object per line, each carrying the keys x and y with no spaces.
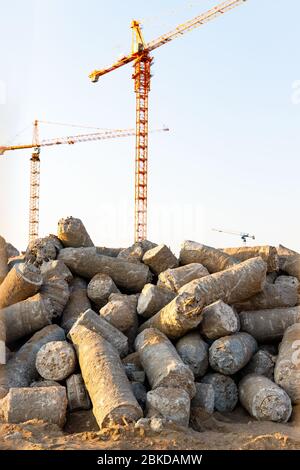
{"x":243,"y":235}
{"x":36,"y":145}
{"x":141,"y":56}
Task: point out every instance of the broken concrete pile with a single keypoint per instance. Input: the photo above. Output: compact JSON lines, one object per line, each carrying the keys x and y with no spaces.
{"x":138,"y":333}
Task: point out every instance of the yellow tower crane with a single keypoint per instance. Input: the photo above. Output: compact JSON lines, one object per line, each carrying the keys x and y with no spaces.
{"x":140,"y":55}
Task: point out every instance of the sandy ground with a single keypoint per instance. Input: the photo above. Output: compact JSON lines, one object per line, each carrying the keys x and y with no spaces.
{"x":233,"y":432}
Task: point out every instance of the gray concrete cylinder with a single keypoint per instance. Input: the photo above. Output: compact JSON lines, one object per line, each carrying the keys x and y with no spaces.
{"x":219,"y":319}
{"x":174,"y":279}
{"x":105,"y":251}
{"x":152,"y":299}
{"x":204,"y":398}
{"x":269,"y":325}
{"x":17,"y":260}
{"x":134,"y":374}
{"x":56,"y":268}
{"x":20,"y":371}
{"x":172,"y":404}
{"x":72,"y":233}
{"x":56,"y":289}
{"x":264,"y":400}
{"x":267,"y":253}
{"x":193,"y":352}
{"x":100,"y":288}
{"x":3,"y":260}
{"x":43,"y":250}
{"x":162,"y":363}
{"x":287,"y":368}
{"x":105,"y":379}
{"x":283,"y":293}
{"x":87,"y":263}
{"x":134,"y":359}
{"x":96,"y":323}
{"x":23,"y":281}
{"x":262,"y":363}
{"x":178,"y":317}
{"x":78,"y":398}
{"x":78,"y":303}
{"x":291,"y":265}
{"x":45,"y":383}
{"x":11,"y":250}
{"x":214,"y":260}
{"x":159,"y":259}
{"x":231,"y":285}
{"x":120,"y":312}
{"x":225,"y":390}
{"x":133,"y":253}
{"x":140,"y":393}
{"x":229,"y":354}
{"x":56,"y":360}
{"x":47,"y":404}
{"x":2,"y":339}
{"x":27,"y":317}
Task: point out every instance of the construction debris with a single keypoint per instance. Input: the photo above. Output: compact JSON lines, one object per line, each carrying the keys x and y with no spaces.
{"x":283,"y":293}
{"x":161,"y":362}
{"x":120,"y":311}
{"x":87,"y":263}
{"x":105,"y":379}
{"x":194,"y":353}
{"x":174,"y":279}
{"x":56,"y":360}
{"x":152,"y":299}
{"x":56,"y":268}
{"x":232,"y":285}
{"x":230,"y":354}
{"x":204,"y":398}
{"x":2,"y":340}
{"x":20,"y":370}
{"x":43,"y":250}
{"x":99,"y":289}
{"x":177,"y":318}
{"x":219,"y":319}
{"x":214,"y":260}
{"x":72,"y":232}
{"x":264,"y":400}
{"x":267,"y":253}
{"x":3,"y":260}
{"x":287,"y":369}
{"x":225,"y":391}
{"x":78,"y":398}
{"x":96,"y":323}
{"x":78,"y":302}
{"x":289,"y":261}
{"x":23,"y":281}
{"x":43,"y":403}
{"x":26,"y":317}
{"x":262,"y":363}
{"x":159,"y":259}
{"x":270,"y":324}
{"x":170,"y":403}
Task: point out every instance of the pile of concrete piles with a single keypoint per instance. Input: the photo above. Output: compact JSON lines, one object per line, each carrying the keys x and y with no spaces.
{"x":142,"y":336}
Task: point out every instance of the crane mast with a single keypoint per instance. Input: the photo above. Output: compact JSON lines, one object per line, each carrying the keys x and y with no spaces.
{"x":141,"y":58}
{"x":141,"y":78}
{"x":34,"y":199}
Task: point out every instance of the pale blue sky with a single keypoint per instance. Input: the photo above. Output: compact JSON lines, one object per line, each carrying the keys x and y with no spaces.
{"x":231,"y":159}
